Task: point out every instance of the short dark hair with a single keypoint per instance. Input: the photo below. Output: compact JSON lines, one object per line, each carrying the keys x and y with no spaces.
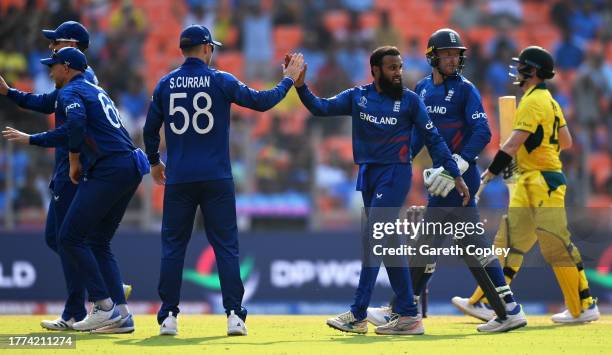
{"x":186,"y":50}
{"x":379,"y":53}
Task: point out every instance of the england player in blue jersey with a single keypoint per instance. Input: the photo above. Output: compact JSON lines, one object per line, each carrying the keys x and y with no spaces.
{"x":68,"y":34}
{"x":107,"y":168}
{"x":384,"y":115}
{"x":193,"y":103}
{"x":455,"y":107}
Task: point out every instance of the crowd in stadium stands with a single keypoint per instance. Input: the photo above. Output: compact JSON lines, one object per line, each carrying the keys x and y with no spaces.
{"x":285,"y":154}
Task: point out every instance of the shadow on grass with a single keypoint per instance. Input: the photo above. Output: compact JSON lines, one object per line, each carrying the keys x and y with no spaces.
{"x":360,"y":339}
{"x":342,"y":338}
{"x":160,"y":340}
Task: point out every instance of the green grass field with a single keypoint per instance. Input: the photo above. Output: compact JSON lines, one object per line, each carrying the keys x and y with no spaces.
{"x":309,"y":335}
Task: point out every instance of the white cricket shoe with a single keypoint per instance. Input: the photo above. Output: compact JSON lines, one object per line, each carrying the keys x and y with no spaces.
{"x":590,"y":314}
{"x":402,"y":325}
{"x":123,"y":326}
{"x":347,"y":322}
{"x":98,"y":318}
{"x":235,"y":325}
{"x":379,"y":315}
{"x":58,"y":324}
{"x":515,"y":319}
{"x":478,"y":310}
{"x":169,"y":326}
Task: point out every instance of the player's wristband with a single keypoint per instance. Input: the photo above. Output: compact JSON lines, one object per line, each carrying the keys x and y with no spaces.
{"x":501,"y":160}
{"x":153,"y":159}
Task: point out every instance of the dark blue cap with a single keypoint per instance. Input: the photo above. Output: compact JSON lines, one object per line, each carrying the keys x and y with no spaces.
{"x":196,"y":34}
{"x":70,"y":56}
{"x":69,"y":31}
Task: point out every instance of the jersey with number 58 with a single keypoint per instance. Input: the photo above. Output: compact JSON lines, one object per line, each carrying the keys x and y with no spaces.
{"x":193,"y":102}
{"x":539,"y":114}
{"x":92,"y":121}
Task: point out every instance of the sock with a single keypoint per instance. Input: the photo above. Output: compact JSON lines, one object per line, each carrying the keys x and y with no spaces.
{"x":478,"y":295}
{"x":124,"y":310}
{"x":498,"y":278}
{"x":105,"y":304}
{"x":510,"y":306}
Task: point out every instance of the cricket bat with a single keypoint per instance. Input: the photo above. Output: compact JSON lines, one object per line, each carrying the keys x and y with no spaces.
{"x":507,"y":109}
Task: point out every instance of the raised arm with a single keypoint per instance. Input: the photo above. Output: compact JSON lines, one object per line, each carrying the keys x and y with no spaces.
{"x":339,"y":105}
{"x":239,"y":93}
{"x":44,"y":103}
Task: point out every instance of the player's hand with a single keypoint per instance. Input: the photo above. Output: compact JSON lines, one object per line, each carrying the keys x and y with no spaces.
{"x":462,"y":189}
{"x":438,"y":181}
{"x":16,"y":136}
{"x":430,"y":174}
{"x":4,"y":88}
{"x":75,"y":168}
{"x":158,"y":172}
{"x":300,"y":81}
{"x":295,"y":66}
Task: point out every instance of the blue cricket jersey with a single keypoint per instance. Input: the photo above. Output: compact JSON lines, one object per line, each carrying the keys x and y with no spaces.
{"x":93,"y":123}
{"x":193,"y":102}
{"x":455,"y":107}
{"x":56,"y":138}
{"x":382,"y":126}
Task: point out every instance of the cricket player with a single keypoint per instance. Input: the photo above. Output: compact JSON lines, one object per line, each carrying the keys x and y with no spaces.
{"x":193,"y":103}
{"x":455,"y":107}
{"x":68,"y":34}
{"x":107,"y":168}
{"x":537,"y":205}
{"x":384,"y":115}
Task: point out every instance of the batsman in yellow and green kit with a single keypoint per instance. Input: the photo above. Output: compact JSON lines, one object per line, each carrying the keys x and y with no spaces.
{"x":537,"y":202}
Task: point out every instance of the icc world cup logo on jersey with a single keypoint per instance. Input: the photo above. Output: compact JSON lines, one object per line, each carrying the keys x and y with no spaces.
{"x":362,"y":102}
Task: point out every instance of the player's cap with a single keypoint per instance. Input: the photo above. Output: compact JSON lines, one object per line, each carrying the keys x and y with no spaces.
{"x":196,"y":34}
{"x":69,"y":31}
{"x":70,"y":56}
{"x":538,"y":58}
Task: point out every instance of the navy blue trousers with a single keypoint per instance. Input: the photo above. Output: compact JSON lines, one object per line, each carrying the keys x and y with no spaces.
{"x":217,"y":201}
{"x":384,"y":189}
{"x":62,"y":194}
{"x":91,"y":221}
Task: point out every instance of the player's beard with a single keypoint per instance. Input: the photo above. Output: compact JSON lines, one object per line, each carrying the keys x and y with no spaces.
{"x":388,"y":87}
